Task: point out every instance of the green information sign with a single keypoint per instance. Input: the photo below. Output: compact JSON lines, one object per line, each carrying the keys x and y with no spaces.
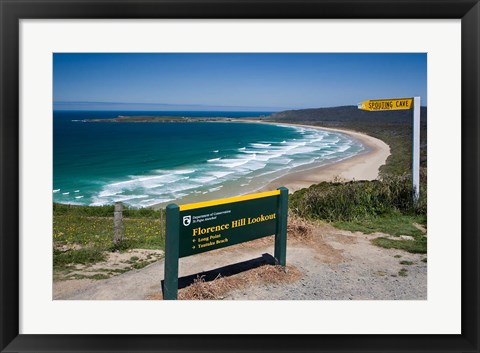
{"x":204,"y":226}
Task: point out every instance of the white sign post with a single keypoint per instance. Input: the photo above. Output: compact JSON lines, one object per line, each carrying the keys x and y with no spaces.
{"x":416,"y":149}
{"x":403,"y":104}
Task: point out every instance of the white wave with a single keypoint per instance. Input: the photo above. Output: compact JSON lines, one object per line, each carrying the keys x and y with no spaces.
{"x":65,"y":193}
{"x":326,"y":153}
{"x":151,"y":202}
{"x":129,"y":197}
{"x":220,"y":174}
{"x":254,"y":152}
{"x":213,"y":160}
{"x":291,"y":145}
{"x":303,"y":162}
{"x":332,"y":142}
{"x":273,"y":171}
{"x":343,"y":148}
{"x":234,"y":163}
{"x":260,"y":145}
{"x":179,"y":195}
{"x":79,"y":197}
{"x":302,"y":150}
{"x":269,"y":156}
{"x":203,"y":179}
{"x":56,"y":190}
{"x":283,"y":161}
{"x":77,"y":191}
{"x":216,"y":151}
{"x":252,"y":166}
{"x":242,"y":149}
{"x":149,"y":180}
{"x":144,"y":185}
{"x":109,"y":193}
{"x":319,"y":139}
{"x":184,"y":171}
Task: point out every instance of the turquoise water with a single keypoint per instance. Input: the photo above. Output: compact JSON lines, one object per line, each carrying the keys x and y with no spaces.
{"x":143,"y":164}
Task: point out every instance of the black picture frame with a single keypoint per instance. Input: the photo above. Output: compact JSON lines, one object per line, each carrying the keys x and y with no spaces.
{"x":12,"y":11}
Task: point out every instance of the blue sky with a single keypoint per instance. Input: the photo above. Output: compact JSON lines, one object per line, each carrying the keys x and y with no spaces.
{"x":214,"y":81}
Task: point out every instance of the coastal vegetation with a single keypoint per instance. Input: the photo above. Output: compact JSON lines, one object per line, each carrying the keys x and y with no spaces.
{"x":369,"y":207}
{"x":385,"y":205}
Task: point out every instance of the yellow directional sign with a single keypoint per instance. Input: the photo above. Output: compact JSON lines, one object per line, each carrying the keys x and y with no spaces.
{"x":387,"y":104}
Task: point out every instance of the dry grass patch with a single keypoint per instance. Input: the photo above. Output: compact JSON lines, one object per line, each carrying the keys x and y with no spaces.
{"x":221,"y":286}
{"x":316,"y":236}
{"x":218,"y":288}
{"x":299,"y":229}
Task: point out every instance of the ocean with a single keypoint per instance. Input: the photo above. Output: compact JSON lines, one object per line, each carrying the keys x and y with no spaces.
{"x":145,"y":164}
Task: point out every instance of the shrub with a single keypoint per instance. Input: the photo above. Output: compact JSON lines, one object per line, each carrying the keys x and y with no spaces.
{"x":357,"y":199}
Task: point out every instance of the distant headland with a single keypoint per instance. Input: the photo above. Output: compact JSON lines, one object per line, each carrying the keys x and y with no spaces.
{"x":330,"y":116}
{"x":156,"y":119}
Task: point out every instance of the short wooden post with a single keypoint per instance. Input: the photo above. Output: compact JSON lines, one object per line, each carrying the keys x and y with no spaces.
{"x":117,"y":223}
{"x":162,"y":224}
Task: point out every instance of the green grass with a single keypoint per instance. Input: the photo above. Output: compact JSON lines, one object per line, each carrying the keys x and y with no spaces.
{"x":417,"y":246}
{"x":88,"y":233}
{"x":142,"y":264}
{"x":97,"y":232}
{"x":403,"y":272}
{"x":395,"y":224}
{"x":82,"y":256}
{"x":97,"y":276}
{"x":104,"y":211}
{"x":405,"y":262}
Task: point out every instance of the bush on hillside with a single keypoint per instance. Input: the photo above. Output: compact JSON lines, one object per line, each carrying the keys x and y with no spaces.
{"x":358,"y":199}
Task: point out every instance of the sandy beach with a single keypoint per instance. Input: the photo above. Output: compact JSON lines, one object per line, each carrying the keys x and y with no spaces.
{"x":364,"y":166}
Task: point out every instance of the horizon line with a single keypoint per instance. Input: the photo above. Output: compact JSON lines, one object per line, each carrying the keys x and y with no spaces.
{"x":67,"y":103}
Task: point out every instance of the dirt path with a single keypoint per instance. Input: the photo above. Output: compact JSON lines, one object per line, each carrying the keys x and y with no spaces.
{"x":328,"y":264}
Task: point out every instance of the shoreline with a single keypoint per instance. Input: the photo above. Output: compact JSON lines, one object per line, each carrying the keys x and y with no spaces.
{"x":363,"y":166}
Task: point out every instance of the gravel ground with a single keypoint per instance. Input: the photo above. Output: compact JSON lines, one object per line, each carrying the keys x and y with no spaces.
{"x":361,"y":271}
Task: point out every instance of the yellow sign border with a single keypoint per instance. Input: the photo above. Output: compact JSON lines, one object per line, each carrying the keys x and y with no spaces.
{"x":192,"y":206}
{"x":364,"y":103}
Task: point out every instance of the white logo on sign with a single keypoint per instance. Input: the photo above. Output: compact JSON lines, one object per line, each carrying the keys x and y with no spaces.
{"x":187,"y":220}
